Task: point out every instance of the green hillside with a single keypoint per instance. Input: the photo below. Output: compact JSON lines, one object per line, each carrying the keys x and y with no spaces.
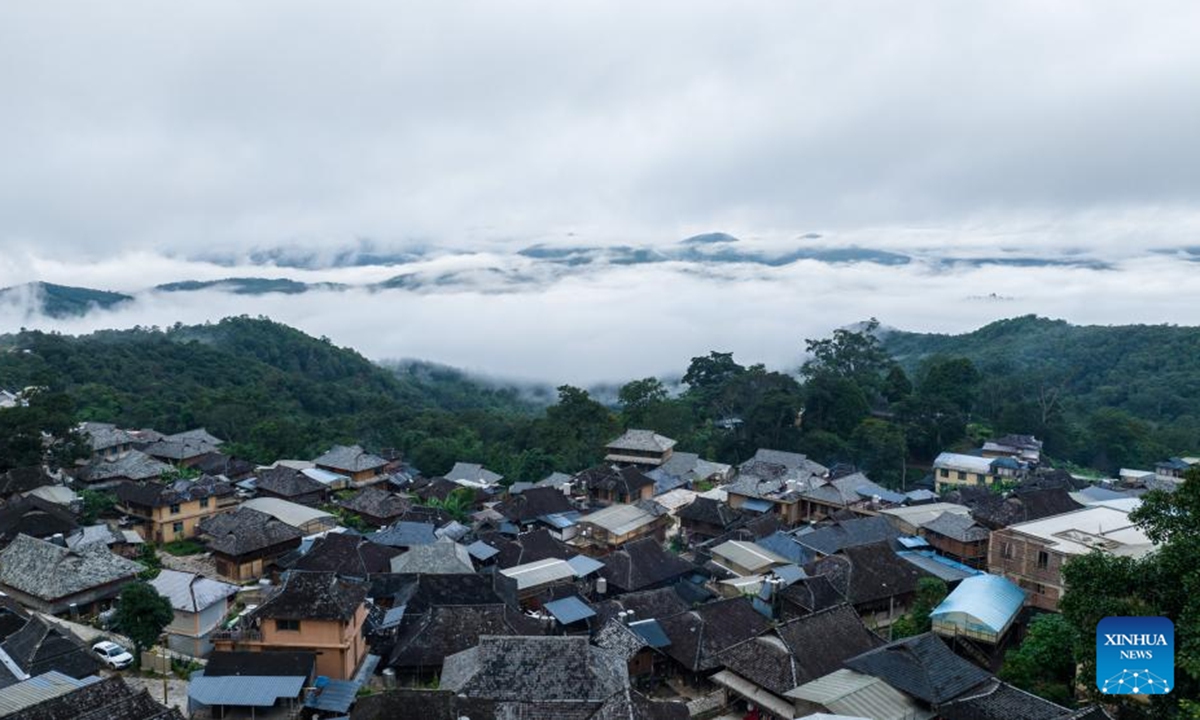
{"x":61,"y":301}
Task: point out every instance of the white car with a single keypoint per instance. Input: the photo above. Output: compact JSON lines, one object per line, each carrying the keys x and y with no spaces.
{"x":112,"y":655}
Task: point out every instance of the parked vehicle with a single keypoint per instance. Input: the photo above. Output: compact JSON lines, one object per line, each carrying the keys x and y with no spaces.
{"x":112,"y":655}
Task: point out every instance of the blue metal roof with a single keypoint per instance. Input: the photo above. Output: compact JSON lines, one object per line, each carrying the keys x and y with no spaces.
{"x":937,"y":565}
{"x":393,"y":616}
{"x":333,"y":696}
{"x":990,"y":599}
{"x":561,"y":521}
{"x":481,"y":550}
{"x":757,"y":505}
{"x":569,"y":610}
{"x":243,"y":690}
{"x":789,"y":574}
{"x":785,"y":545}
{"x":651,"y":632}
{"x":584,"y":565}
{"x":912,"y":541}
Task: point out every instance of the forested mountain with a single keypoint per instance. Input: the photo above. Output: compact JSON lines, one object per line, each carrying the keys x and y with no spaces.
{"x":1102,"y":395}
{"x":60,"y":301}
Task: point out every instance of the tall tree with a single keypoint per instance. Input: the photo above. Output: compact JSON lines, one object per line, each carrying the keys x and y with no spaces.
{"x":638,"y":398}
{"x":143,"y":614}
{"x":1044,"y":663}
{"x":854,"y":355}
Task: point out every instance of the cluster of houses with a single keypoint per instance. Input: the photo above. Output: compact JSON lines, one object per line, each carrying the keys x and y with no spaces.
{"x":655,"y":585}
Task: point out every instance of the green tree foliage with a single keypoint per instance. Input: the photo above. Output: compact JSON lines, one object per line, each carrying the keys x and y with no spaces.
{"x":834,"y":404}
{"x":142,"y":614}
{"x":1044,"y":663}
{"x":457,"y":504}
{"x":639,"y":399}
{"x":896,"y":386}
{"x":854,"y":355}
{"x":880,"y":450}
{"x":96,"y":504}
{"x":21,"y":429}
{"x":577,"y":428}
{"x":952,"y":379}
{"x":931,"y":592}
{"x":1165,"y":582}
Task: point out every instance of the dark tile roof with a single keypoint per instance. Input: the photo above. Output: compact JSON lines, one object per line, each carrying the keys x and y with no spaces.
{"x":426,"y":639}
{"x":349,"y":459}
{"x":921,"y":666}
{"x":530,"y":547}
{"x":536,"y":670}
{"x":421,"y":592}
{"x":244,"y":531}
{"x":404,"y":534}
{"x":606,"y":478}
{"x":180,"y":491}
{"x":962,"y":528}
{"x":376,"y":502}
{"x":135,"y":465}
{"x":23,"y":479}
{"x":785,"y":545}
{"x":534,"y":503}
{"x":1023,"y":505}
{"x":261,"y":664}
{"x":1001,"y":701}
{"x":646,"y":605}
{"x":40,"y":647}
{"x":51,"y":572}
{"x":868,"y":573}
{"x":813,"y":593}
{"x":710,"y":512}
{"x":347,"y":554}
{"x":109,"y":699}
{"x":642,"y":564}
{"x":216,"y":463}
{"x":314,"y":596}
{"x":801,"y":650}
{"x":35,"y":517}
{"x":286,"y":482}
{"x":422,"y":514}
{"x":829,"y":539}
{"x":699,"y":636}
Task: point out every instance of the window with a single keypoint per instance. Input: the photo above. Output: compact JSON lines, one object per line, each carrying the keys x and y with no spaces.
{"x":288,"y":625}
{"x":203,"y":502}
{"x":1006,"y":551}
{"x":1039,"y":588}
{"x":175,"y":509}
{"x":961,"y":475}
{"x":1043,"y":560}
{"x":945,"y":473}
{"x":178,"y":528}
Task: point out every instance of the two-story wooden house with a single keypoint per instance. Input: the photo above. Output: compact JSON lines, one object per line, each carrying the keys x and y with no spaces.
{"x":163,"y":513}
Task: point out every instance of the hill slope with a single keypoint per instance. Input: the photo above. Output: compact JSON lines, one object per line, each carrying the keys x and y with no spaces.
{"x":61,"y":301}
{"x":276,"y":390}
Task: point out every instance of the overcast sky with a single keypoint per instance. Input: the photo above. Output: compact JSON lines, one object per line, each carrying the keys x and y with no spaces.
{"x":131,"y":130}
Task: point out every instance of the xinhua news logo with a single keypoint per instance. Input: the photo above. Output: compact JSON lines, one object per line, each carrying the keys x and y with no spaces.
{"x":1135,"y":656}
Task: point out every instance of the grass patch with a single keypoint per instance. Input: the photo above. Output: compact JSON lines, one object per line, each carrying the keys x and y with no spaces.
{"x":183,"y":547}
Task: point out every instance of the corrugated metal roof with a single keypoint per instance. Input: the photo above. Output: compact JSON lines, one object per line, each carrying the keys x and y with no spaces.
{"x":291,"y":513}
{"x":569,"y":610}
{"x":619,"y":519}
{"x":651,"y":632}
{"x":584,"y":565}
{"x":755,"y":694}
{"x":756,"y":505}
{"x":847,"y":692}
{"x":910,"y":541}
{"x":39,"y":689}
{"x":242,"y":690}
{"x":333,"y":696}
{"x":541,"y":572}
{"x":990,"y":599}
{"x":938,"y":566}
{"x":561,"y":521}
{"x":191,"y":592}
{"x":481,"y":550}
{"x":789,"y":574}
{"x":748,"y":555}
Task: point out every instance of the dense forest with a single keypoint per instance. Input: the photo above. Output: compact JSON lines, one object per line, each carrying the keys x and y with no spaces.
{"x":886,"y":402}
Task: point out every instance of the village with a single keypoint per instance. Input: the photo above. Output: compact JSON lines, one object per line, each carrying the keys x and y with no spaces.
{"x":656,"y":584}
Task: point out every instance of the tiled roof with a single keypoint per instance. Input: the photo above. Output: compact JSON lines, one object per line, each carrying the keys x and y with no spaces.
{"x":101,"y":436}
{"x":314,"y":596}
{"x":348,"y":554}
{"x":923,"y":667}
{"x":350,"y":458}
{"x":274,"y":663}
{"x":40,"y":647}
{"x":813,"y":594}
{"x":1001,"y":701}
{"x":628,"y":480}
{"x":472,"y":474}
{"x":422,"y":592}
{"x":244,"y":531}
{"x":108,"y":699}
{"x":868,"y":573}
{"x":287,"y":482}
{"x":34,"y":516}
{"x":801,"y":650}
{"x":180,"y":491}
{"x":530,"y":547}
{"x":536,"y":669}
{"x":710,"y":512}
{"x":616,"y":637}
{"x":962,"y":528}
{"x":829,"y":539}
{"x":191,"y":592}
{"x":426,"y":639}
{"x":405,"y":534}
{"x":699,"y":636}
{"x":785,"y":545}
{"x":641,"y":564}
{"x":442,"y":557}
{"x":641,"y":441}
{"x":136,"y":465}
{"x":23,"y":479}
{"x":645,"y":605}
{"x":534,"y":503}
{"x":377,"y":503}
{"x":51,"y":572}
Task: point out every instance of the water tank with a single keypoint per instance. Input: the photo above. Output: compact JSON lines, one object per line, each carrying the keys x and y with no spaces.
{"x":389,"y":677}
{"x":601,"y":586}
